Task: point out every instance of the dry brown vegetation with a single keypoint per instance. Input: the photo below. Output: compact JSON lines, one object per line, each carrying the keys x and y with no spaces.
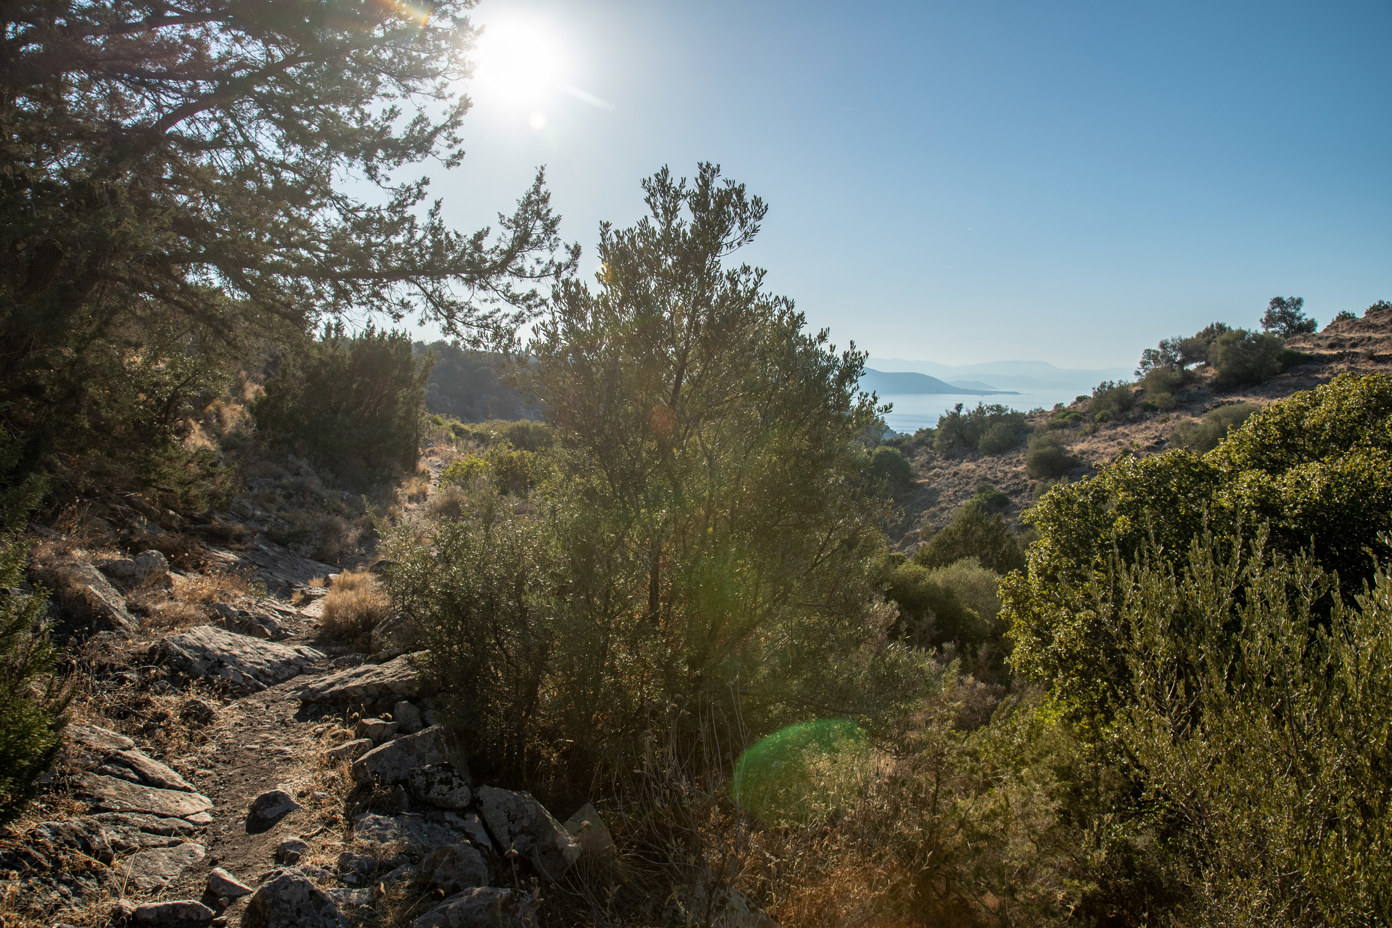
{"x":354,"y":605}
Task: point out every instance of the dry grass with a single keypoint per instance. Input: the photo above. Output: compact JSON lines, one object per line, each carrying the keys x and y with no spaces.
{"x":354,"y":605}
{"x":215,"y":586}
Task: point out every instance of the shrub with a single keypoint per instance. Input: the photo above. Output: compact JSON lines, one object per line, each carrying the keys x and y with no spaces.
{"x":353,"y":404}
{"x":1111,"y":400}
{"x":32,"y":701}
{"x":1261,"y":726}
{"x":974,"y":532}
{"x":959,"y":431}
{"x":1000,"y":436}
{"x":989,"y":496}
{"x":891,"y":465}
{"x":1243,"y":358}
{"x":930,"y":613}
{"x":1063,"y":418}
{"x":354,"y":605}
{"x":1381,"y":306}
{"x":1343,"y":315}
{"x":1047,"y":456}
{"x":1160,"y":385}
{"x":1315,"y":468}
{"x":1206,"y":434}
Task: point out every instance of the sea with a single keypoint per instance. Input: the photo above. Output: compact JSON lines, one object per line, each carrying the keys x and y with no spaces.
{"x":913,"y":411}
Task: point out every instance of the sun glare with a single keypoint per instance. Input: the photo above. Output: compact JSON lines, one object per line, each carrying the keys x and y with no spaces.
{"x":519,"y":65}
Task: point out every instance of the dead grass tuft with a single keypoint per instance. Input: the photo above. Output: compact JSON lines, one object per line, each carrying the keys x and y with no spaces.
{"x":354,"y":605}
{"x":216,"y":586}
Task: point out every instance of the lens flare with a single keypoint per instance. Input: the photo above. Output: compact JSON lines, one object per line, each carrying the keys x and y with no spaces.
{"x":805,"y":772}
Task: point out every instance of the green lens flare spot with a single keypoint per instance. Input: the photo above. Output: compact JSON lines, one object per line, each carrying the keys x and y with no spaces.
{"x":804,"y":773}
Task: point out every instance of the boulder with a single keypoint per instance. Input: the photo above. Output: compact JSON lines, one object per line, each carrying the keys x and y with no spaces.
{"x":254,"y":623}
{"x":393,"y":761}
{"x":484,"y":907}
{"x":175,"y":913}
{"x":269,"y":808}
{"x":349,"y":751}
{"x":223,"y":885}
{"x":150,"y":869}
{"x":85,"y":596}
{"x":440,"y":785}
{"x":520,"y":823}
{"x":289,"y":899}
{"x":407,"y":716}
{"x":150,"y":771}
{"x":291,"y":850}
{"x":113,"y":795}
{"x":375,"y":730}
{"x":590,"y":832}
{"x":412,"y":834}
{"x":453,"y":868}
{"x":366,"y":684}
{"x":239,"y":662}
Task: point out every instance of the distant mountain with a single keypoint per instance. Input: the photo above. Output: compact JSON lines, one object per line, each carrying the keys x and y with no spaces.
{"x":900,"y":383}
{"x":1022,"y":375}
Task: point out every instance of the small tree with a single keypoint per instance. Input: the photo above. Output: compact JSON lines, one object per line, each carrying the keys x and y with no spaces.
{"x":1284,"y":317}
{"x":31,"y":701}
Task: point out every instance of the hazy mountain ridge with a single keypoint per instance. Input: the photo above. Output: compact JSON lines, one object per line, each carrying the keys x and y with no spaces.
{"x":911,"y":382}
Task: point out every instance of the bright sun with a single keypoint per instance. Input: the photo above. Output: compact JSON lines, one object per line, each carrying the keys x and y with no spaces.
{"x":519,"y":64}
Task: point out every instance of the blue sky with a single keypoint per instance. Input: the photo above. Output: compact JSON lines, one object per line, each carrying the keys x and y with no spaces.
{"x":981,"y":180}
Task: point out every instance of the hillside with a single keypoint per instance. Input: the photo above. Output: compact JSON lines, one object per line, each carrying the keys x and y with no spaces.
{"x":943,"y":483}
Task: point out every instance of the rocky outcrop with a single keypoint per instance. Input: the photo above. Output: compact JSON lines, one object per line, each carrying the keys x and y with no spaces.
{"x":241,"y":663}
{"x":392,"y":762}
{"x":485,"y":907}
{"x":84,"y":596}
{"x":366,"y":685}
{"x":289,"y":899}
{"x":520,"y":823}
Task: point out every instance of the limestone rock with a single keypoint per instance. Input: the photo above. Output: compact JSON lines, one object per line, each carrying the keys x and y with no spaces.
{"x":412,"y":834}
{"x":113,"y":795}
{"x":223,"y":885}
{"x":485,"y":907}
{"x":521,"y":823}
{"x":349,"y":750}
{"x":150,"y":771}
{"x":291,"y":850}
{"x":289,"y":899}
{"x":590,"y":832}
{"x":99,"y":739}
{"x":366,"y":684}
{"x":453,"y":868}
{"x":440,"y":785}
{"x":407,"y":716}
{"x":243,"y":664}
{"x":85,"y":596}
{"x":393,"y":761}
{"x":375,"y":730}
{"x":178,"y":913}
{"x":85,"y":835}
{"x":153,"y":868}
{"x":269,"y":808}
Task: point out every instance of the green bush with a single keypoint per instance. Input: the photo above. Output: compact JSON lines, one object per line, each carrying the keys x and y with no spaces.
{"x":465,"y":471}
{"x":999,"y":437}
{"x":974,"y":532}
{"x":1316,"y":468}
{"x":1243,"y":358}
{"x":1110,"y":401}
{"x":931,"y":613}
{"x":1262,"y":744}
{"x":1160,"y":386}
{"x":891,"y":465}
{"x":960,"y":431}
{"x":1047,"y":456}
{"x":1206,"y":434}
{"x":32,"y":701}
{"x":988,"y":495}
{"x":354,"y":404}
{"x":1063,"y":418}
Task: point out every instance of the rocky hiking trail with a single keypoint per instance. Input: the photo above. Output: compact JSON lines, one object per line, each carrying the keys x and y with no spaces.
{"x":232,"y":805}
